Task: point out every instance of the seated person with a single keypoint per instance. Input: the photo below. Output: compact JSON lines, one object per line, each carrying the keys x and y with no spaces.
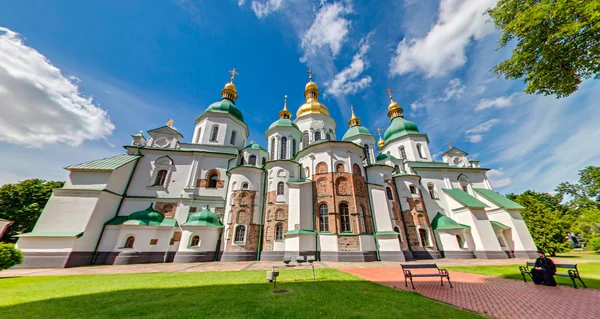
{"x":543,"y":273}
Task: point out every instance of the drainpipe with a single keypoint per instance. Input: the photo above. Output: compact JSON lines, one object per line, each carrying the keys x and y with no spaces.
{"x":226,"y":199}
{"x":118,"y":207}
{"x":262,"y":210}
{"x":317,"y":255}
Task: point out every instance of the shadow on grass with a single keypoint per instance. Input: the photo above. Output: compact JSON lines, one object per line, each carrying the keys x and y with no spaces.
{"x":565,"y":281}
{"x":330,"y":299}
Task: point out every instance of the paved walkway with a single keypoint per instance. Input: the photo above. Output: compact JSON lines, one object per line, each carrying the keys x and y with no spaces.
{"x":496,"y":297}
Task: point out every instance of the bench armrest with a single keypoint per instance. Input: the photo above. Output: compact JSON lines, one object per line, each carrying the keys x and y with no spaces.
{"x":524,"y":269}
{"x":574,"y":274}
{"x":407,"y":273}
{"x":443,"y":272}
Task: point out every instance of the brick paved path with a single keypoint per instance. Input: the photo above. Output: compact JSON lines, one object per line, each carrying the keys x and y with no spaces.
{"x":496,"y":297}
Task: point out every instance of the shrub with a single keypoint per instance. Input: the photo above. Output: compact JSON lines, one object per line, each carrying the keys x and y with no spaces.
{"x":594,"y":244}
{"x":9,"y":256}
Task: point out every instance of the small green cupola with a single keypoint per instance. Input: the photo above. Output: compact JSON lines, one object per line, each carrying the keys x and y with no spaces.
{"x":204,"y":218}
{"x":355,"y":128}
{"x":148,"y":216}
{"x":284,"y":118}
{"x":399,"y":126}
{"x":227,"y":103}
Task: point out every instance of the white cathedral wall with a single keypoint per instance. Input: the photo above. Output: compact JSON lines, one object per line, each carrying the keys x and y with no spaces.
{"x":67,"y":211}
{"x":105,"y":210}
{"x":367,"y":243}
{"x":410,"y":148}
{"x":177,"y":177}
{"x":328,"y":242}
{"x":143,"y":235}
{"x":388,"y":242}
{"x":226,"y":127}
{"x":312,"y":122}
{"x":277,"y":134}
{"x":87,"y":180}
{"x":484,"y":237}
{"x":119,"y":178}
{"x":46,"y":244}
{"x":380,"y":208}
{"x":209,"y":237}
{"x":446,"y":239}
{"x":332,"y":154}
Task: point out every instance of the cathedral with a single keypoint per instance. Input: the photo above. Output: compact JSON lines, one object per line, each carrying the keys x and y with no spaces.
{"x":216,"y":197}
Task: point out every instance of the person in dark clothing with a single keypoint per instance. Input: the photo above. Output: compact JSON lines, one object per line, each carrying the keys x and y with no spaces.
{"x":544,"y":270}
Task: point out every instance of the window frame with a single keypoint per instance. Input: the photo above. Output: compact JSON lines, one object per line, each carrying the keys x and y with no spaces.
{"x":388,"y":193}
{"x":283,"y":148}
{"x":214,"y":133}
{"x":345,"y":223}
{"x":192,"y":241}
{"x":233,"y":136}
{"x":323,"y":217}
{"x":159,"y":181}
{"x":236,"y":234}
{"x":278,"y":231}
{"x":282,"y":190}
{"x":252,"y":160}
{"x":127,"y":244}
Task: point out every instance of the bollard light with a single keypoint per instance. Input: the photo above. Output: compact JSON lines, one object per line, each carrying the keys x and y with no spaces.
{"x":287,"y":260}
{"x":311,"y":259}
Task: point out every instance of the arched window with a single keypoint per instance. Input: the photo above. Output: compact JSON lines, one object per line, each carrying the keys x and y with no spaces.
{"x":264,"y":161}
{"x":233,"y":135}
{"x":214,"y":133}
{"x":323,"y":218}
{"x":402,"y":152}
{"x":367,"y":154}
{"x":396,"y":169}
{"x":464,"y":182}
{"x":273,"y":149}
{"x":321,"y":168}
{"x":412,"y":189}
{"x":356,"y":170}
{"x":280,"y":188}
{"x":305,"y":139}
{"x":283,"y":151}
{"x":212,"y":180}
{"x":424,"y":237}
{"x":420,"y":150}
{"x":240,"y":233}
{"x":307,"y":172}
{"x":252,"y":160}
{"x":198,"y":134}
{"x":339,"y":168}
{"x":345,"y":218}
{"x":195,"y":240}
{"x":317,"y":136}
{"x":431,"y":190}
{"x":161,"y":177}
{"x":293,"y":147}
{"x":421,"y":219}
{"x":328,"y":136}
{"x":129,"y":242}
{"x":396,"y":229}
{"x":245,"y":185}
{"x":243,"y":161}
{"x":279,"y":231}
{"x":459,"y":240}
{"x":388,"y":192}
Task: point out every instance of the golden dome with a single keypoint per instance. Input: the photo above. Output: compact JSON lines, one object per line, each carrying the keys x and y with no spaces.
{"x":394,"y":109}
{"x":285,"y":114}
{"x":230,"y":86}
{"x":381,"y":142}
{"x":230,"y":91}
{"x":354,"y":121}
{"x":312,"y":105}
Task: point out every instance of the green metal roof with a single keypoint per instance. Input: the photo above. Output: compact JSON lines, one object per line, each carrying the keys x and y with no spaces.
{"x":109,"y":163}
{"x":496,"y":224}
{"x":498,"y":199}
{"x":382,"y":157}
{"x":441,"y":222}
{"x":464,"y":198}
{"x":400,"y":127}
{"x":226,"y":106}
{"x":204,"y":218}
{"x":300,"y":232}
{"x":386,"y":232}
{"x":356,"y":130}
{"x":146,"y":217}
{"x":51,"y":234}
{"x":255,"y":146}
{"x":284,"y":123}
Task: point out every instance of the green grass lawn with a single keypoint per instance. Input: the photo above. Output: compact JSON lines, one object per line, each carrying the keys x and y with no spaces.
{"x":575,"y":254}
{"x":243,"y":294}
{"x":589,"y":272}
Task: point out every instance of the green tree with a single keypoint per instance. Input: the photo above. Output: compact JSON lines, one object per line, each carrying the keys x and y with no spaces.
{"x":9,"y":256}
{"x":544,"y":221}
{"x":23,"y":203}
{"x":557,"y":43}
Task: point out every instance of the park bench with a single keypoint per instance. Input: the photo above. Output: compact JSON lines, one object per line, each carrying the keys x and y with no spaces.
{"x":572,"y":272}
{"x":442,"y":273}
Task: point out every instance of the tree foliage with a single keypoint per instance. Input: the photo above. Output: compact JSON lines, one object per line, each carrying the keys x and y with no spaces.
{"x":9,"y":256}
{"x":23,"y":203}
{"x":544,"y":221}
{"x":557,"y":43}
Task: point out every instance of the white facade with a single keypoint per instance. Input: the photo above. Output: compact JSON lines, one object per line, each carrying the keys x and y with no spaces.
{"x":216,"y":198}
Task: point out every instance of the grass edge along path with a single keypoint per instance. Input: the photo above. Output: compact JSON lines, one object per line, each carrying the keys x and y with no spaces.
{"x":214,"y":294}
{"x":589,"y":272}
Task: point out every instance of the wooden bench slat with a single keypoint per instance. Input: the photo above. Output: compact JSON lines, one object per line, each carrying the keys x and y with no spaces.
{"x":419,"y":266}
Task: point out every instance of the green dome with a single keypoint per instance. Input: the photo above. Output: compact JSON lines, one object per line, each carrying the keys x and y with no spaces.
{"x":204,"y":218}
{"x":382,"y":157}
{"x":147,"y":216}
{"x":226,"y":106}
{"x":255,"y":146}
{"x":398,"y":128}
{"x":356,"y":130}
{"x":284,"y":123}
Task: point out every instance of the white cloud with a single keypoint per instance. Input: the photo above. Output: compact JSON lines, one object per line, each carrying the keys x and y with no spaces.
{"x":499,"y":102}
{"x":241,"y":2}
{"x":349,"y":80}
{"x":329,"y":29}
{"x":443,"y":48}
{"x":475,"y":135}
{"x":263,"y":9}
{"x":40,"y":105}
{"x":476,"y":138}
{"x":417,"y":105}
{"x":498,"y":178}
{"x":454,"y":90}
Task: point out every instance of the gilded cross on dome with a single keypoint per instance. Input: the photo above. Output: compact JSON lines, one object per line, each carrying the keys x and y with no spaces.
{"x":390,"y":93}
{"x":310,"y":73}
{"x":170,"y":122}
{"x":233,"y":74}
{"x":449,"y":144}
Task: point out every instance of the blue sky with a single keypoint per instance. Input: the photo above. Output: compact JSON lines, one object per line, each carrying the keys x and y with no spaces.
{"x":78,"y":77}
